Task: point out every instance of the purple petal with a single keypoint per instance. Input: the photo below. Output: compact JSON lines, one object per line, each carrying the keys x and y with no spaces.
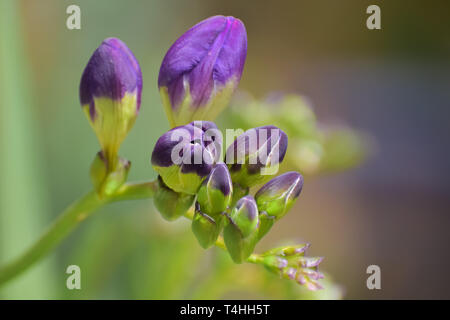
{"x":111,"y":72}
{"x":207,"y":55}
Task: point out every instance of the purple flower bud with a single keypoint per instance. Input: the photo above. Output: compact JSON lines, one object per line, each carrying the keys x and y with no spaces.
{"x":256,"y":154}
{"x":245,"y":215}
{"x":278,"y":195}
{"x":202,"y":69}
{"x":184,"y":156}
{"x":110,"y":94}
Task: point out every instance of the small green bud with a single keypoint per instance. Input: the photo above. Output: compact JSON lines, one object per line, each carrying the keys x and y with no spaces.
{"x":171,"y":204}
{"x":214,"y":195}
{"x":205,"y":228}
{"x":241,"y":234}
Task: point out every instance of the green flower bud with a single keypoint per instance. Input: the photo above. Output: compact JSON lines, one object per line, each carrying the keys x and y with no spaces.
{"x":171,"y":204}
{"x":241,"y":234}
{"x":214,"y":195}
{"x":205,"y":228}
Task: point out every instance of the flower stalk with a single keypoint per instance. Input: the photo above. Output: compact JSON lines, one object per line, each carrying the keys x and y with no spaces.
{"x":74,"y":215}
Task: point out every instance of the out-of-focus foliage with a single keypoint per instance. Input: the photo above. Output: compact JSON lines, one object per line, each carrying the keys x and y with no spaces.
{"x":313,"y":147}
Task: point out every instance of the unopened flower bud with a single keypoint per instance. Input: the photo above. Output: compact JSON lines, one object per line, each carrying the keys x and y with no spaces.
{"x":256,"y":154}
{"x":215,"y":192}
{"x":290,"y":263}
{"x":206,"y":228}
{"x":171,"y":204}
{"x":184,"y":156}
{"x":110,"y":94}
{"x":240,"y":235}
{"x":278,"y":195}
{"x":202,"y":69}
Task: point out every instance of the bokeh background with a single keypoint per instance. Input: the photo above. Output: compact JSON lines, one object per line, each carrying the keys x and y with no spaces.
{"x":392,"y":84}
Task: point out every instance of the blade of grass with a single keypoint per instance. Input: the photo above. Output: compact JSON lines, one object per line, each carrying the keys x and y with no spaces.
{"x":23,"y":198}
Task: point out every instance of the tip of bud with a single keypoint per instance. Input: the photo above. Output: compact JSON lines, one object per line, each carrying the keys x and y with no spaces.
{"x":111,"y":72}
{"x":244,"y":216}
{"x":214,"y":195}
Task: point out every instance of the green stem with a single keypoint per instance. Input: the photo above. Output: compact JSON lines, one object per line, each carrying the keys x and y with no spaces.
{"x":68,"y":221}
{"x":73,"y":216}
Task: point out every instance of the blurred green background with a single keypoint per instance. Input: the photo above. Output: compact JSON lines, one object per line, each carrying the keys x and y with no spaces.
{"x":392,"y":84}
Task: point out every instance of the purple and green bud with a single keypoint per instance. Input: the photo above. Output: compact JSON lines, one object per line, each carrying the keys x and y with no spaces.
{"x":255,"y":155}
{"x":170,"y":204}
{"x":184,"y":156}
{"x":110,"y":94}
{"x":202,"y":69}
{"x":214,"y":195}
{"x":278,"y":195}
{"x":241,"y":233}
{"x":206,"y":228}
{"x":105,"y":180}
{"x":213,"y":199}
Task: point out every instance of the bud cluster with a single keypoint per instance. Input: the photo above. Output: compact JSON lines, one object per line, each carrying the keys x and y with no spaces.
{"x":290,"y":263}
{"x":197,"y":77}
{"x":188,"y":161}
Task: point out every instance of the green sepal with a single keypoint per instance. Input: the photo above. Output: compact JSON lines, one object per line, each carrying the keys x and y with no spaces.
{"x":238,"y":247}
{"x":170,"y":204}
{"x":105,"y":180}
{"x":179,"y":181}
{"x":206,"y":228}
{"x":265,"y":224}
